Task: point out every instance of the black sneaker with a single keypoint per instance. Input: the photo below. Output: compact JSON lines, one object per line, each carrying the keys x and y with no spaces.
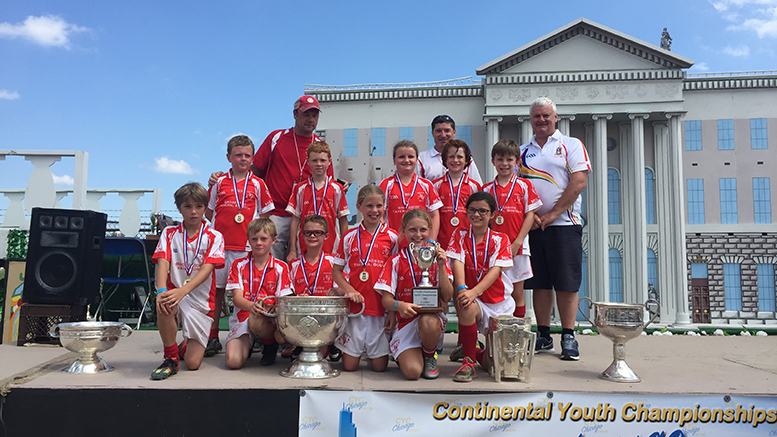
{"x":213,"y":347}
{"x":296,"y":352}
{"x":165,"y":370}
{"x":569,"y":350}
{"x":334,"y":354}
{"x":269,"y":354}
{"x":543,"y":345}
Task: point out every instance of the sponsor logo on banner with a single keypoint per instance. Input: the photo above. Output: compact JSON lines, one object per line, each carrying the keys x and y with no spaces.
{"x":405,"y":424}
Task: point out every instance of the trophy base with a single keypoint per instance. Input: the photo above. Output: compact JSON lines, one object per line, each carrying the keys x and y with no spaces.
{"x":619,"y":371}
{"x":310,"y":365}
{"x":430,"y":310}
{"x":91,"y":366}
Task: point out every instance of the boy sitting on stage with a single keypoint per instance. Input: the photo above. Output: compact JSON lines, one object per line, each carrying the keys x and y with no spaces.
{"x":251,"y":278}
{"x":186,"y":287}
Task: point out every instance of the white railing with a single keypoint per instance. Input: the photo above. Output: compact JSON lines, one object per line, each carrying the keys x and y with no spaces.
{"x":367,"y":86}
{"x":733,"y":73}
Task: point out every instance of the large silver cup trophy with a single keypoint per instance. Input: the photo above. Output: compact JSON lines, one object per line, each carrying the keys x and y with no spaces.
{"x":88,"y":338}
{"x":311,"y":322}
{"x":425,"y":294}
{"x":509,"y":348}
{"x":620,"y":322}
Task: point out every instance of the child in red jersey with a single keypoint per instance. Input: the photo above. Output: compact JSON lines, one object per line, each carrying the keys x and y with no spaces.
{"x":185,"y":257}
{"x":320,"y":195}
{"x":454,"y":188}
{"x":236,"y":198}
{"x":251,"y":278}
{"x":360,"y":258}
{"x":418,"y":335}
{"x":311,"y":273}
{"x":405,"y":190}
{"x":516,"y":202}
{"x":483,"y":290}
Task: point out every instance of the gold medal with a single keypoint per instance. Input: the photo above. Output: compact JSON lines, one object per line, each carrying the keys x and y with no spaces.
{"x":364,"y":276}
{"x":186,"y":281}
{"x":500,"y":220}
{"x":455,"y":221}
{"x":239,"y":218}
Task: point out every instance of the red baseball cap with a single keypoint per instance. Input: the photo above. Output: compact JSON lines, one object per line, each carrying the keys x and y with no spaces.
{"x":305,"y":103}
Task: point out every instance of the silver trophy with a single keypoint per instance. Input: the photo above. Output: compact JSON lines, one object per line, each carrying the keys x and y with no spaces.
{"x":620,"y":322}
{"x":311,"y":322}
{"x":509,"y":348}
{"x":425,"y":293}
{"x":88,"y":338}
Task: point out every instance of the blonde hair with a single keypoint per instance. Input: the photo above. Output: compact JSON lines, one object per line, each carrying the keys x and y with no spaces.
{"x":404,"y":143}
{"x":317,"y":219}
{"x":415,"y":213}
{"x":369,"y":190}
{"x":240,"y":140}
{"x":261,"y":224}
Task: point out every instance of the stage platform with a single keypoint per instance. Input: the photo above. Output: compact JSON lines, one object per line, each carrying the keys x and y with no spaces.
{"x":255,"y":400}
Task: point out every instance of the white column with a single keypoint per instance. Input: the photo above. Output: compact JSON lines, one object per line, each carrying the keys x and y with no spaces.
{"x":564,"y":122}
{"x":526,"y":130}
{"x":492,"y":136}
{"x":596,"y":210}
{"x":632,"y":186}
{"x":663,"y":221}
{"x":79,"y":180}
{"x":40,"y":190}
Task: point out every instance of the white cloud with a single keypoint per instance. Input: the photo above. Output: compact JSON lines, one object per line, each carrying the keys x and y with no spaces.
{"x":167,"y":165}
{"x":9,"y":95}
{"x":742,"y":51}
{"x":50,"y":30}
{"x":701,"y":66}
{"x":63,"y":180}
{"x":759,"y":16}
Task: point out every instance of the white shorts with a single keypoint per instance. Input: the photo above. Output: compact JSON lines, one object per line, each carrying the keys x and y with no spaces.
{"x":364,"y":334}
{"x":195,"y":325}
{"x":223,"y":273}
{"x":238,"y":328}
{"x":280,"y":249}
{"x":521,"y":270}
{"x":408,"y":337}
{"x":488,"y":310}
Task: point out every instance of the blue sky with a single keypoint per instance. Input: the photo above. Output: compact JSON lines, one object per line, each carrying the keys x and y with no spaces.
{"x":153,"y":90}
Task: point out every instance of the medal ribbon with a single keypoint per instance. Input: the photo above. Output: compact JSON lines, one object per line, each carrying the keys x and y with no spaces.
{"x":458,"y":191}
{"x":316,"y":207}
{"x":402,"y":192}
{"x":479,"y":270}
{"x":369,"y":249}
{"x":186,"y":265}
{"x":240,"y":203}
{"x":509,"y":195}
{"x":311,"y":290}
{"x":251,"y":277}
{"x":412,"y":270}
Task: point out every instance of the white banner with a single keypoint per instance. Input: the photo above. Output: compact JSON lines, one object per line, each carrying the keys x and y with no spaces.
{"x":348,"y":414}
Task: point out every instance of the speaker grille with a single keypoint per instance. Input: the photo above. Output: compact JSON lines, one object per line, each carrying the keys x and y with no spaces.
{"x":55,"y":271}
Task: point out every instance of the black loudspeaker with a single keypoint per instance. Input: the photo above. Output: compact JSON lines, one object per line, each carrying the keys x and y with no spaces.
{"x":65,"y":257}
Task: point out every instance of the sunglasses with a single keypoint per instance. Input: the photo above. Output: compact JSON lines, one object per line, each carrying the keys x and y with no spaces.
{"x":313,"y":233}
{"x":442,"y":119}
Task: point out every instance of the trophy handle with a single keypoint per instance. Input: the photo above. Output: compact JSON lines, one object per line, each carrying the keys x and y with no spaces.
{"x":125,"y":328}
{"x":360,"y":311}
{"x":653,"y":314}
{"x":590,"y":305}
{"x":54,"y":331}
{"x":272,"y":316}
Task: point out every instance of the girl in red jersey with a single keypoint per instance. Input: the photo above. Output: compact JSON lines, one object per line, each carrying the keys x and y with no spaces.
{"x":360,"y":258}
{"x":418,"y":335}
{"x":405,"y":190}
{"x":454,"y":188}
{"x":483,"y":290}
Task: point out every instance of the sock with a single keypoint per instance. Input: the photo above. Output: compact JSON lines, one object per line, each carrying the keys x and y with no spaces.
{"x":214,"y":333}
{"x":469,"y":340}
{"x":268,"y":341}
{"x":428,"y":354}
{"x":520,"y":311}
{"x":171,"y":352}
{"x":480,"y":355}
{"x":182,"y":349}
{"x":565,"y":331}
{"x":544,"y":331}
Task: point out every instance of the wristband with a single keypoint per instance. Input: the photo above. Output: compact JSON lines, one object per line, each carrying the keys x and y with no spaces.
{"x":396,"y":302}
{"x":161,"y":290}
{"x":461,"y":287}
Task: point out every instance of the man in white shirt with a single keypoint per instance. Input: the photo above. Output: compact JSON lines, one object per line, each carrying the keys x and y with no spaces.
{"x":430,"y":161}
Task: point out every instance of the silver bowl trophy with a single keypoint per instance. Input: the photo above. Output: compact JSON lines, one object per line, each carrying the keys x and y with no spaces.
{"x":425,"y":293}
{"x":88,"y":338}
{"x":620,"y":322}
{"x":509,"y":348}
{"x":311,"y":322}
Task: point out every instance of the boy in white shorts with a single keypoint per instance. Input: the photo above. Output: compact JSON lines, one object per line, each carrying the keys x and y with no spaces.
{"x":185,"y":257}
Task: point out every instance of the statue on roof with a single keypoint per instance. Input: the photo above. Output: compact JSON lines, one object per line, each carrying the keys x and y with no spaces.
{"x":666,"y":40}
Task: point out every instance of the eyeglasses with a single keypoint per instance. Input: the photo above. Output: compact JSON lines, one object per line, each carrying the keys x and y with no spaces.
{"x":479,"y":211}
{"x":442,"y":119}
{"x":313,"y":233}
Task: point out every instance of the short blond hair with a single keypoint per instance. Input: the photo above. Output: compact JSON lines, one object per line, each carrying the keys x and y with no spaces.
{"x":261,"y":224}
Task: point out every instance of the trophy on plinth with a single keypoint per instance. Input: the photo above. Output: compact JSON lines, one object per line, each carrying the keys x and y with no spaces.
{"x":425,"y":293}
{"x":620,"y":322}
{"x":509,"y":348}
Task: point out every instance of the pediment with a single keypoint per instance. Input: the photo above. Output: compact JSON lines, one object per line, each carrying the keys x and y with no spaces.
{"x":585,"y":46}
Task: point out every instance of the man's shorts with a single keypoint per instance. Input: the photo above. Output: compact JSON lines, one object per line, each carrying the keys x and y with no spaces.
{"x":195,"y":325}
{"x":521,"y":270}
{"x":364,"y":334}
{"x":223,"y":273}
{"x":280,"y":250}
{"x":488,"y":310}
{"x":408,"y":337}
{"x":556,"y":258}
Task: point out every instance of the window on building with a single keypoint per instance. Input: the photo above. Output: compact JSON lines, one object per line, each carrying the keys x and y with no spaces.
{"x":766,"y":287}
{"x":430,"y":139}
{"x":732,"y":286}
{"x":725,"y":134}
{"x":613,"y":197}
{"x":650,"y":197}
{"x":693,"y":135}
{"x":406,"y":133}
{"x":695,"y":196}
{"x":762,"y":201}
{"x":616,"y":276}
{"x":350,"y":198}
{"x":758,"y":138}
{"x":652,"y":268}
{"x":698,"y":270}
{"x":350,"y":142}
{"x":728,"y":201}
{"x":464,"y":133}
{"x":378,"y":141}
